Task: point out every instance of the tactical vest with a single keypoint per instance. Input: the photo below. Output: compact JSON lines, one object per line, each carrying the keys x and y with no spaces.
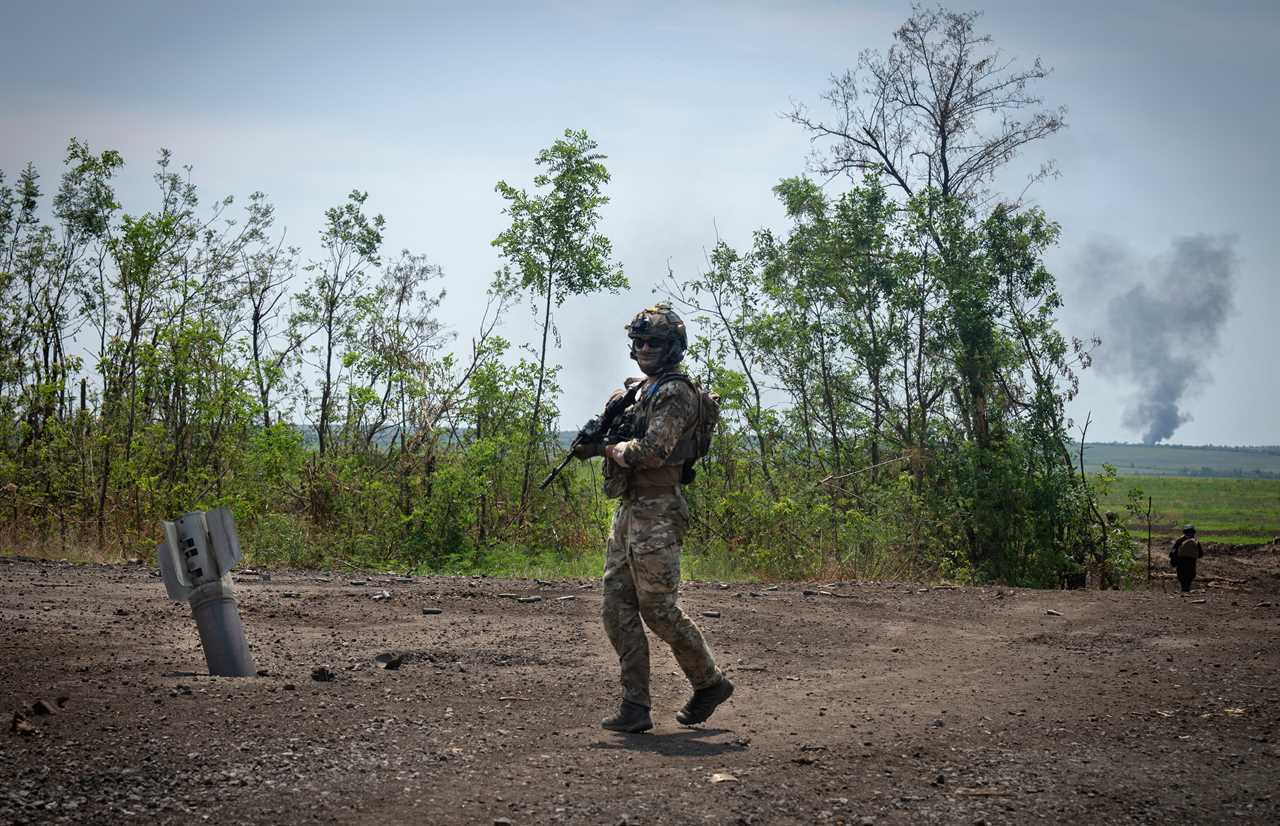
{"x":687,"y":447}
{"x":676,"y":469}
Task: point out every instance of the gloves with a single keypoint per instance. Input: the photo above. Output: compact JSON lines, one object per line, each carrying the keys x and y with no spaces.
{"x":585,"y":450}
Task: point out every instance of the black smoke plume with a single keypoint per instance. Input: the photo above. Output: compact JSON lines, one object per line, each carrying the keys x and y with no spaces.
{"x":1160,"y":332}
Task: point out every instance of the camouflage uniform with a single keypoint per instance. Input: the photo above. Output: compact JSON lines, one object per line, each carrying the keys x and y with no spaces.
{"x":642,"y":558}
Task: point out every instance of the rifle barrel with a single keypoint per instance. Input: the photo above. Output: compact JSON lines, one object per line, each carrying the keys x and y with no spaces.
{"x":553,"y":474}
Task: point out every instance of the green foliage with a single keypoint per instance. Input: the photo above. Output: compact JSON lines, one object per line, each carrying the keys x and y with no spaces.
{"x":892,"y":379}
{"x":552,"y":240}
{"x":1235,"y":511}
{"x":917,"y":337}
{"x":553,"y":244}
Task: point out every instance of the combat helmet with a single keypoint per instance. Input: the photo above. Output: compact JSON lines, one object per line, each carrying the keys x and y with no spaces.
{"x":1189,"y":530}
{"x":660,"y":322}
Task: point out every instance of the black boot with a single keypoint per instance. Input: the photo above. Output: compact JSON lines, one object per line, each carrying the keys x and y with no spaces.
{"x":631,"y":718}
{"x":704,"y":702}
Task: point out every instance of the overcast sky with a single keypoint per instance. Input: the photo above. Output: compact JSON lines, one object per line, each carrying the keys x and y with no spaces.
{"x":1173,"y":111}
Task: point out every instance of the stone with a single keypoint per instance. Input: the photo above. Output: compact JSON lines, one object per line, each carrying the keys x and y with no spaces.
{"x":389,"y":661}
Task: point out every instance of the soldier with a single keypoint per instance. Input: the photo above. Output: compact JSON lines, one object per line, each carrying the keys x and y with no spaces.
{"x":1186,"y":550}
{"x":642,"y":557}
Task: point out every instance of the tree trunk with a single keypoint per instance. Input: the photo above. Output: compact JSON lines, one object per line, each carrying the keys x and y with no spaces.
{"x":537,"y":398}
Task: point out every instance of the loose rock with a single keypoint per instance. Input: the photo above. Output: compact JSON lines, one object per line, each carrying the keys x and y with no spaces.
{"x":389,"y":661}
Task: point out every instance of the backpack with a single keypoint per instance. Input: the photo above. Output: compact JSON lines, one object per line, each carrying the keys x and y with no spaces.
{"x":696,"y":442}
{"x":1189,"y":548}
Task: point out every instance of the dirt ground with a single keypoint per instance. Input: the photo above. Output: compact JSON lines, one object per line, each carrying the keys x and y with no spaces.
{"x":865,"y":703}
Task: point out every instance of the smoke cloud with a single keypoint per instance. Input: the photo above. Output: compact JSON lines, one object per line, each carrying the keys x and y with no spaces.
{"x":1160,"y":332}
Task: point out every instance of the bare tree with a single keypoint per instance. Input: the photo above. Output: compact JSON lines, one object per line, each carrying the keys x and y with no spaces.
{"x":266,"y":273}
{"x":939,"y":110}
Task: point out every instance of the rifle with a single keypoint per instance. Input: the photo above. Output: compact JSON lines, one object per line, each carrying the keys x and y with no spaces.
{"x":599,"y":430}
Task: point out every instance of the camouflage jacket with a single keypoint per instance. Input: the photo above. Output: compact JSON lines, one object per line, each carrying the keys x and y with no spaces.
{"x":665,"y":413}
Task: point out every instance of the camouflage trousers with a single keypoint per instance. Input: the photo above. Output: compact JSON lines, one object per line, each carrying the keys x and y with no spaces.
{"x":641,"y":578}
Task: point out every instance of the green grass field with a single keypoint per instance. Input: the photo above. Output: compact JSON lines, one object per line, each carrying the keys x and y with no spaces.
{"x":1184,"y":460}
{"x":1237,"y":511}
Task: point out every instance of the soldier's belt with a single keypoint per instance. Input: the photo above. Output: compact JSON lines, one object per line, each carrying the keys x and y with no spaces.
{"x":636,"y":491}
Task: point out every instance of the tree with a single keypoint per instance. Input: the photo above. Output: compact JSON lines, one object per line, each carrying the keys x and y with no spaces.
{"x":553,"y":243}
{"x":329,"y":305}
{"x":934,"y":112}
{"x":401,"y":338}
{"x":265,"y":273}
{"x":729,"y":295}
{"x":936,"y":115}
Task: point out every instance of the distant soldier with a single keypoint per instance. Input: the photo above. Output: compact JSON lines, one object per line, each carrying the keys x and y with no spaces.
{"x":1186,"y":550}
{"x":666,"y":415}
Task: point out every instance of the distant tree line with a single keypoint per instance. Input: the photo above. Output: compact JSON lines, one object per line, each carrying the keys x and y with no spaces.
{"x":892,"y":375}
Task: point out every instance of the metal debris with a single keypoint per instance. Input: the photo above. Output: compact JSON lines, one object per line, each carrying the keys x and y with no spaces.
{"x":21,"y":725}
